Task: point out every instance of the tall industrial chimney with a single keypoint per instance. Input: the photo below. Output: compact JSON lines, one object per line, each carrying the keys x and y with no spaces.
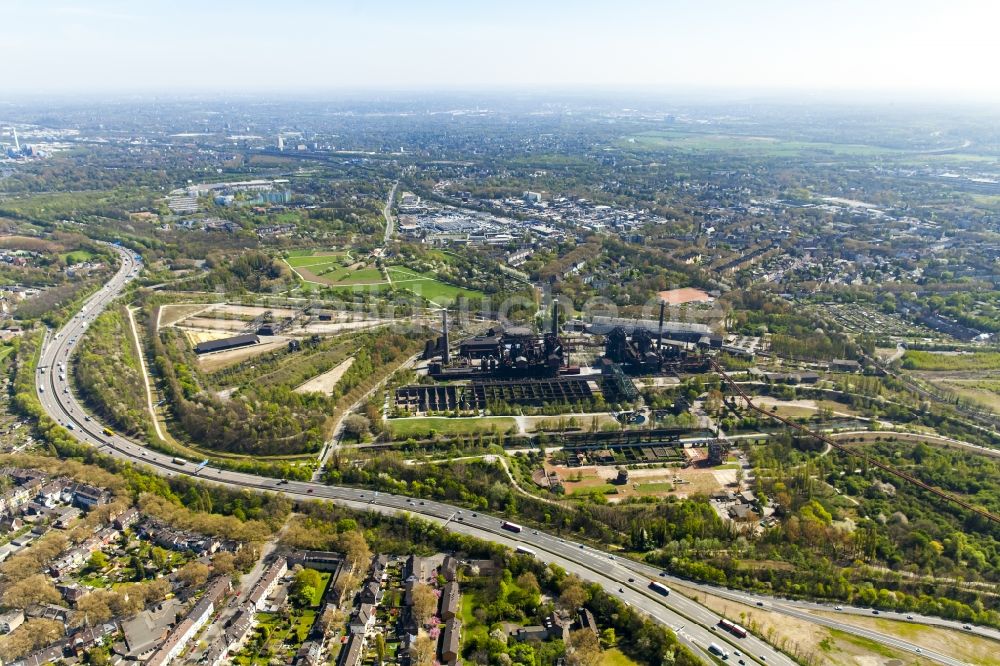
{"x":659,"y":332}
{"x":555,"y":318}
{"x":445,"y":358}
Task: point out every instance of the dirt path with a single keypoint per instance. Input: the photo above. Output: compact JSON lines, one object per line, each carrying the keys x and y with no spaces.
{"x":333,"y":443}
{"x":145,"y":375}
{"x":325,"y":382}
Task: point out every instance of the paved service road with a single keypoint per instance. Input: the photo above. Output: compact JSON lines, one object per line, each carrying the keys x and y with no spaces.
{"x":694,"y":624}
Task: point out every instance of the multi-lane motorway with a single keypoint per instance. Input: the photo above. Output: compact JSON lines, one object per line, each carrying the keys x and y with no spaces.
{"x":694,"y":624}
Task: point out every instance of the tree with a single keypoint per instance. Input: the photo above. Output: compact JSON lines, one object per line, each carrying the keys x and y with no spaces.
{"x":37,"y":589}
{"x":33,"y":634}
{"x":98,"y":560}
{"x":98,"y":656}
{"x":355,"y":549}
{"x":223,"y":563}
{"x":584,"y":648}
{"x":344,"y":584}
{"x":357,"y":426}
{"x":332,"y":616}
{"x":425,"y":603}
{"x":573,"y":597}
{"x":92,"y":609}
{"x":193,"y":574}
{"x":423,"y":650}
{"x":304,"y":586}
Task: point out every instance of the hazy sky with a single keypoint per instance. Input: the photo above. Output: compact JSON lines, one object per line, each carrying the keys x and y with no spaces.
{"x":64,"y":46}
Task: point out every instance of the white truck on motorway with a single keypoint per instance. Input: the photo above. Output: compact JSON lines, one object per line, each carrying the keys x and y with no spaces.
{"x":718,"y":650}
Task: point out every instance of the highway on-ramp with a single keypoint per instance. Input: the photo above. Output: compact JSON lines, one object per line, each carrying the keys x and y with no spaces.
{"x":694,"y":624}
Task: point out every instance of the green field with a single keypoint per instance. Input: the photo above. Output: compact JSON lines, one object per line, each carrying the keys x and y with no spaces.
{"x":77,"y":256}
{"x":656,"y":487}
{"x":313,"y":258}
{"x":427,"y":286}
{"x":420,"y":427}
{"x":328,"y":268}
{"x":759,"y":145}
{"x":600,"y":488}
{"x":924,"y":360}
{"x":615,"y":657}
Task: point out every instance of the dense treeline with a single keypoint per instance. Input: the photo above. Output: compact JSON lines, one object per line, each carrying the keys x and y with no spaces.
{"x":262,"y":418}
{"x":248,"y":271}
{"x":108,"y":374}
{"x":903,"y":550}
{"x":485,"y":486}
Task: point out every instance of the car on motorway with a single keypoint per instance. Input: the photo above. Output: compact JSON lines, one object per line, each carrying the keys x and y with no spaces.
{"x":909,"y":617}
{"x":838,"y":608}
{"x":875,"y":612}
{"x":631,"y":580}
{"x":309,"y":490}
{"x":967,"y":627}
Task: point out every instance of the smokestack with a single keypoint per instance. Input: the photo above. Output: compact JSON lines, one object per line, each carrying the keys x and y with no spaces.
{"x":445,"y":358}
{"x":659,"y":332}
{"x":555,"y":318}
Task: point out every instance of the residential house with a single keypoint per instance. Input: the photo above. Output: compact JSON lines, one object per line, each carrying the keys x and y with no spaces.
{"x":450,"y":599}
{"x":362,"y":620}
{"x":263,"y":587}
{"x":217,"y":589}
{"x":87,"y":497}
{"x":371,"y":593}
{"x":351,"y":654}
{"x":11,"y":620}
{"x":147,"y":630}
{"x":585,"y":620}
{"x":127,"y":518}
{"x":451,"y":642}
{"x":71,"y":592}
{"x":424,"y":569}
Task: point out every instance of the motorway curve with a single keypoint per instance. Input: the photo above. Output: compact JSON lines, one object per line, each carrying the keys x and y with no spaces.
{"x":693,"y":623}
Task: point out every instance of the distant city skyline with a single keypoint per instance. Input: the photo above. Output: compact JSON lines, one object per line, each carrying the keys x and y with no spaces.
{"x":886,"y":48}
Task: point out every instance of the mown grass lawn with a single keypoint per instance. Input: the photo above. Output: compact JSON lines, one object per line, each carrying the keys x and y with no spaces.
{"x":421,"y":427}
